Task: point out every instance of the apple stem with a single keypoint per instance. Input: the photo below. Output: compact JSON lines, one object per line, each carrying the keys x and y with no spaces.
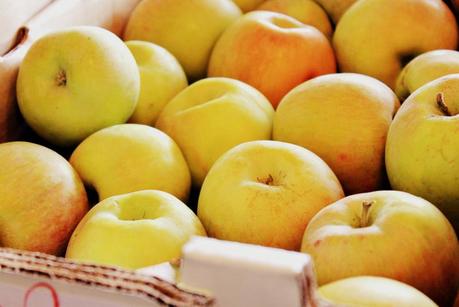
{"x":364,"y":219}
{"x":61,"y":78}
{"x":442,"y":104}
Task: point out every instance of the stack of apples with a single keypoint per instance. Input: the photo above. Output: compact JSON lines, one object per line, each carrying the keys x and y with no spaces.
{"x":327,"y":127}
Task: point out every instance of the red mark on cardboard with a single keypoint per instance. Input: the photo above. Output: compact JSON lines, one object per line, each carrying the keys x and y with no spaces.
{"x":45,"y":285}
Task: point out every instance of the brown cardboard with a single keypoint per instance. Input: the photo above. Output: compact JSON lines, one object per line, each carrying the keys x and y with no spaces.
{"x":109,"y":14}
{"x":36,"y":279}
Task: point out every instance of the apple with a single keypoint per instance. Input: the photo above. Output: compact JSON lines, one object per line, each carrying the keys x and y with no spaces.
{"x":187,"y":29}
{"x":265,"y":193}
{"x":213,"y":115}
{"x":131,"y":157}
{"x":306,"y":11}
{"x":134,"y":230}
{"x":425,"y":68}
{"x":336,"y":8}
{"x":272,"y":52}
{"x":390,"y":234}
{"x":75,"y":81}
{"x":373,"y":291}
{"x":161,"y":78}
{"x":344,"y":119}
{"x":422,"y":148}
{"x":378,"y":37}
{"x":248,"y":5}
{"x":42,"y":199}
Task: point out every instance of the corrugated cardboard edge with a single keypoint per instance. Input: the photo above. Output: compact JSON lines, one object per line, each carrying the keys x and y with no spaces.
{"x":106,"y":278}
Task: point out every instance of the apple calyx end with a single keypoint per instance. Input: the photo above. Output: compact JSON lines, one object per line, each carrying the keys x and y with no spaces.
{"x":364,"y":219}
{"x":176,"y":262}
{"x":61,"y":78}
{"x":442,"y":104}
{"x":268,"y":180}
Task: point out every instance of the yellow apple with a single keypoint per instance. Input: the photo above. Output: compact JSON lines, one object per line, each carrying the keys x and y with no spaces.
{"x":186,"y":28}
{"x":134,"y":230}
{"x":131,"y":157}
{"x":42,"y":199}
{"x":344,"y":119}
{"x":378,"y":37}
{"x":76,"y":81}
{"x":248,"y":5}
{"x":336,"y":8}
{"x":374,"y":291}
{"x":161,"y":78}
{"x":265,"y":193}
{"x":425,"y":68}
{"x":306,"y":11}
{"x":272,"y":52}
{"x":213,"y":115}
{"x":390,"y":234}
{"x":422,"y":150}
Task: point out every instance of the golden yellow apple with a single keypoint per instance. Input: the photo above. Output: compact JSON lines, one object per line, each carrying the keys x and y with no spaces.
{"x":390,"y":234}
{"x":131,"y":157}
{"x":422,"y":150}
{"x":306,"y":11}
{"x":161,"y":78}
{"x":75,"y":81}
{"x":336,"y":8}
{"x":265,"y":193}
{"x":344,"y":119}
{"x":378,"y":37}
{"x":272,"y":52}
{"x":213,"y":115}
{"x":375,"y":292}
{"x":134,"y":230}
{"x":186,"y":28}
{"x":248,"y":5}
{"x":425,"y":68}
{"x":42,"y":199}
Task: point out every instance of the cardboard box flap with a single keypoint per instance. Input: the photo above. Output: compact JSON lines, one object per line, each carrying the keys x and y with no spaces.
{"x":65,"y":277}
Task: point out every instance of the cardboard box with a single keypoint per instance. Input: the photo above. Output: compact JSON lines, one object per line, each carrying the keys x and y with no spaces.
{"x":35,"y":279}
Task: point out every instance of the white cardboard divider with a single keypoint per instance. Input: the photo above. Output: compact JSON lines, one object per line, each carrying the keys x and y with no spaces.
{"x":246,"y":275}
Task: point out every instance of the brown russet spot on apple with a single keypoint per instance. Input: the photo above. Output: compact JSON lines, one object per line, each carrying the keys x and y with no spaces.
{"x":442,"y":104}
{"x":364,"y":218}
{"x":61,"y":78}
{"x":268,"y":180}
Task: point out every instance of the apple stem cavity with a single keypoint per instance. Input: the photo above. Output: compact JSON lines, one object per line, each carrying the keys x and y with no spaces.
{"x":442,"y":104}
{"x":61,"y":78}
{"x":268,"y":180}
{"x":364,"y":219}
